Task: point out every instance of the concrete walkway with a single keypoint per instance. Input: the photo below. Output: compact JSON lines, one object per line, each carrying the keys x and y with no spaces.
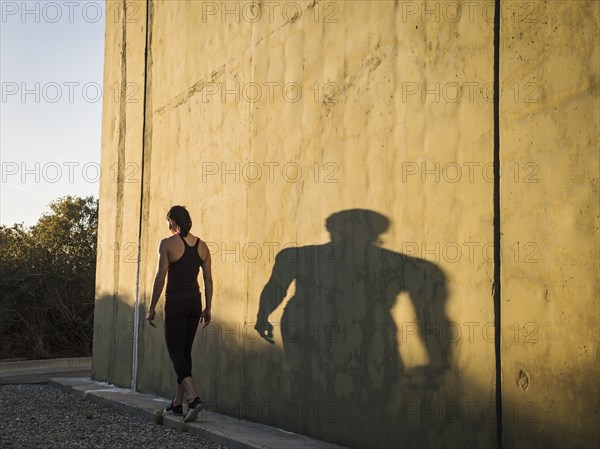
{"x":230,"y":432}
{"x":39,"y":371}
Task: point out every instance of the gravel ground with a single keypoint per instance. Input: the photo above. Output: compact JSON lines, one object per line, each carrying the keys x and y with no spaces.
{"x":39,"y":416}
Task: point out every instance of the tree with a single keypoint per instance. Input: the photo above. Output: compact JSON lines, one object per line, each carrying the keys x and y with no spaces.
{"x":47,"y":279}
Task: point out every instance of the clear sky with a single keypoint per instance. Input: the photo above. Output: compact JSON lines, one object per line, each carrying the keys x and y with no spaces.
{"x":51,"y":68}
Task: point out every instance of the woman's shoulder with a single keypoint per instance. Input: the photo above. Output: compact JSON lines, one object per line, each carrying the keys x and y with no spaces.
{"x":193,"y":236}
{"x":171,"y":241}
{"x":203,"y":250}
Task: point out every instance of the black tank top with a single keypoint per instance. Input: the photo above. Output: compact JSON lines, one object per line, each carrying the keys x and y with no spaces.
{"x":182,"y":278}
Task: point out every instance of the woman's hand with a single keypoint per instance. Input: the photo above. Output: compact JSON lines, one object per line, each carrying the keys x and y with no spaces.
{"x":150,"y":317}
{"x":205,"y":316}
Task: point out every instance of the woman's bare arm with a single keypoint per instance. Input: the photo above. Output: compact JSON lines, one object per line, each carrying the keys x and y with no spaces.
{"x":208,"y":284}
{"x":161,"y":274}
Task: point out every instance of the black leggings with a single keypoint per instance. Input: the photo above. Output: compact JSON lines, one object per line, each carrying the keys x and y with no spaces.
{"x":182,"y":317}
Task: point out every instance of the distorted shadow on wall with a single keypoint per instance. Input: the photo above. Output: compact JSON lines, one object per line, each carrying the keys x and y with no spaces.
{"x":339,"y":336}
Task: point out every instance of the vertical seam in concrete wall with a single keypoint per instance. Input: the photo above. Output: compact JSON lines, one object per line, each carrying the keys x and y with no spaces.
{"x":122,"y":127}
{"x":136,"y":312}
{"x":147,"y":136}
{"x":497,"y":266}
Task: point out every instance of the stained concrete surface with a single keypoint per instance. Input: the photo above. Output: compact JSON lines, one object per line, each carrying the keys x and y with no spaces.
{"x":231,"y":433}
{"x":39,"y":371}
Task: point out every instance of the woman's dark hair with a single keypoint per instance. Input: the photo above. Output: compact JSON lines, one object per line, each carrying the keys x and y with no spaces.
{"x":181,"y":217}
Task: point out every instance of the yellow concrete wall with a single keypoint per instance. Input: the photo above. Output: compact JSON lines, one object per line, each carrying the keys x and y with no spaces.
{"x":267,"y":120}
{"x":550,"y":208}
{"x":120,"y":191}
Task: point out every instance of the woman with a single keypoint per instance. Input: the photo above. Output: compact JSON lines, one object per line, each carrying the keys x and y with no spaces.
{"x":182,"y":255}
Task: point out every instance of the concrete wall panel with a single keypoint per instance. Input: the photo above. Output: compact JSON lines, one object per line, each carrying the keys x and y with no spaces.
{"x":549,"y":190}
{"x":120,"y":188}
